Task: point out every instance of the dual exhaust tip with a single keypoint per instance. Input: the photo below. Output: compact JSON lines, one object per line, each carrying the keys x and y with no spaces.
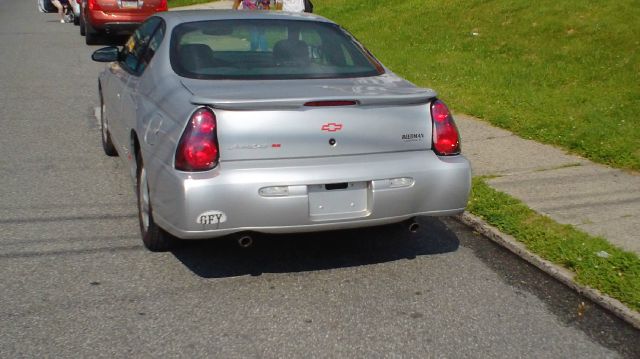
{"x":246,"y":241}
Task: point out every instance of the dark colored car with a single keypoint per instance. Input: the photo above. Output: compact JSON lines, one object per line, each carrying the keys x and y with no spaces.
{"x":115,"y":17}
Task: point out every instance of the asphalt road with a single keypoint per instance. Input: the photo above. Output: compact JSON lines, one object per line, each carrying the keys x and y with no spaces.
{"x":75,"y":280}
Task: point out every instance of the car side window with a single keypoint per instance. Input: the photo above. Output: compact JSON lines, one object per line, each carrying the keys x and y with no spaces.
{"x":135,"y":46}
{"x":154,"y":43}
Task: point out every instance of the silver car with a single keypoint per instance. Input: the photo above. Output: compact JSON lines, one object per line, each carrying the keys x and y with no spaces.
{"x":237,"y":122}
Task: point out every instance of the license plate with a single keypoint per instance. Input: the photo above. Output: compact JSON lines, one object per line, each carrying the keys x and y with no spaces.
{"x":129,"y":4}
{"x":326,"y":202}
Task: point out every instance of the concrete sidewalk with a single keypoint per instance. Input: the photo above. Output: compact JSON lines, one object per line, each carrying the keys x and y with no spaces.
{"x":597,"y":199}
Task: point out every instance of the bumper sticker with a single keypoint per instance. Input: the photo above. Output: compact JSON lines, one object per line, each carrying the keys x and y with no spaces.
{"x":211,"y":217}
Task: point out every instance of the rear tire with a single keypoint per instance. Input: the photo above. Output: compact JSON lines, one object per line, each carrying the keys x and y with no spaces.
{"x":82,"y":24}
{"x":154,"y":238}
{"x":90,"y":34}
{"x":107,"y":144}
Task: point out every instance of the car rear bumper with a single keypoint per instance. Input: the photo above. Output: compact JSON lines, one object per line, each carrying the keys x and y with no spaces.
{"x":120,"y":27}
{"x":115,"y":23}
{"x":228,"y":199}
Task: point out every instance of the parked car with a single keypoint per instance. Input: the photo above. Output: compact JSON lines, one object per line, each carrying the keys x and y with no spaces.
{"x":47,"y":6}
{"x":115,"y":17}
{"x":236,"y":122}
{"x":75,"y":6}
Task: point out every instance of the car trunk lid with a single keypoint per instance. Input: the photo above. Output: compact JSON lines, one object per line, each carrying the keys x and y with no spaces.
{"x":273,"y":119}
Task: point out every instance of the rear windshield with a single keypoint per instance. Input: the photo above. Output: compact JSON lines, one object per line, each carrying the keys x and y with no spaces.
{"x":268,"y":49}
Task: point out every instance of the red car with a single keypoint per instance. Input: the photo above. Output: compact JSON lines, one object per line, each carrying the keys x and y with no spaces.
{"x":115,"y":17}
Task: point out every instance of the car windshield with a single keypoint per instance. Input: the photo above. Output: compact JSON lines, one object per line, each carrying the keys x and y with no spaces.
{"x":268,"y":49}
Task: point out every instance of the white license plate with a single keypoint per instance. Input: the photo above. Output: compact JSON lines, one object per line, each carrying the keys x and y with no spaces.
{"x":129,"y":4}
{"x":326,"y":203}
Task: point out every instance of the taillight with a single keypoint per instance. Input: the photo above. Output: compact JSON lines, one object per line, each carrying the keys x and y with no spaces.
{"x":446,"y":139}
{"x":198,"y":146}
{"x":93,"y":5}
{"x":163,"y":6}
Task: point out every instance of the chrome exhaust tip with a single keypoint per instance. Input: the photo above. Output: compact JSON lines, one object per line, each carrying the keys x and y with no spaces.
{"x":245,"y":241}
{"x":414,"y":227}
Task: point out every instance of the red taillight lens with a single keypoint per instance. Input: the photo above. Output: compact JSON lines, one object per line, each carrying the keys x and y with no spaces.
{"x":93,"y":5}
{"x":446,"y":139}
{"x":198,"y":146}
{"x":163,"y":6}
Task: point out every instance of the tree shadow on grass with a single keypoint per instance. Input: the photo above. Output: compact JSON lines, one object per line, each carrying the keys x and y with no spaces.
{"x":316,"y":251}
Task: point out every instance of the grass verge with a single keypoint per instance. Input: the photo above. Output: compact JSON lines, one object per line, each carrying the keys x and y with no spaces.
{"x":178,"y":3}
{"x":616,"y":273}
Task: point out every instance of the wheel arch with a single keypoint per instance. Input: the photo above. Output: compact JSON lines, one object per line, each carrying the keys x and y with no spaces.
{"x":135,"y":145}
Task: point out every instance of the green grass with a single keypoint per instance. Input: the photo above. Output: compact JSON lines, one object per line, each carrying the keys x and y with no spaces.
{"x":617,"y":276}
{"x":177,"y":3}
{"x":560,"y":72}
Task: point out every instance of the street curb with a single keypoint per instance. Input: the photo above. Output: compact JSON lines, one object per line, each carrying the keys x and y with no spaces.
{"x":559,"y":273}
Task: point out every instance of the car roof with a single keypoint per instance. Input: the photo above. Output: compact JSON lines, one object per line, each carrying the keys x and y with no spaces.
{"x":182,"y":16}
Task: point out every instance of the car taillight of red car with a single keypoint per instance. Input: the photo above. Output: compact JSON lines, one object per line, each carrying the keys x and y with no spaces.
{"x":198,"y":146}
{"x":446,"y":138}
{"x":93,"y":5}
{"x":163,"y":6}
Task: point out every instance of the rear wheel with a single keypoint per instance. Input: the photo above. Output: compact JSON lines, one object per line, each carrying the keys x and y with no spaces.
{"x":154,"y":238}
{"x":82,"y":29}
{"x":91,"y":35}
{"x":107,"y":144}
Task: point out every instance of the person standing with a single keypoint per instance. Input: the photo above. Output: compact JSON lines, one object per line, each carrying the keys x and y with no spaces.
{"x":252,"y":4}
{"x":258,"y":39}
{"x":293,"y":5}
{"x":60,"y":5}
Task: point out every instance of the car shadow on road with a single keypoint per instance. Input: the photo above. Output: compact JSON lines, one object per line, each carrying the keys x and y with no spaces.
{"x":316,"y":251}
{"x":111,"y":40}
{"x":118,"y":40}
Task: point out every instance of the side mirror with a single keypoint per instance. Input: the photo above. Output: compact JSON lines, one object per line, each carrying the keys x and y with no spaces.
{"x":106,"y":54}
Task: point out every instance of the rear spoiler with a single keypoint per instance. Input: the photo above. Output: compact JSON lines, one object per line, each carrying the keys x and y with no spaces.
{"x":282,"y":103}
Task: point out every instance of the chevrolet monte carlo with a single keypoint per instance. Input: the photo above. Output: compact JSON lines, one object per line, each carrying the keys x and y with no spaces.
{"x":240,"y":122}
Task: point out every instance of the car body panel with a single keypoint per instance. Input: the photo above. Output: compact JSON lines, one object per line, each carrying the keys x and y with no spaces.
{"x":320,"y":132}
{"x":270,"y":139}
{"x":256,"y":121}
